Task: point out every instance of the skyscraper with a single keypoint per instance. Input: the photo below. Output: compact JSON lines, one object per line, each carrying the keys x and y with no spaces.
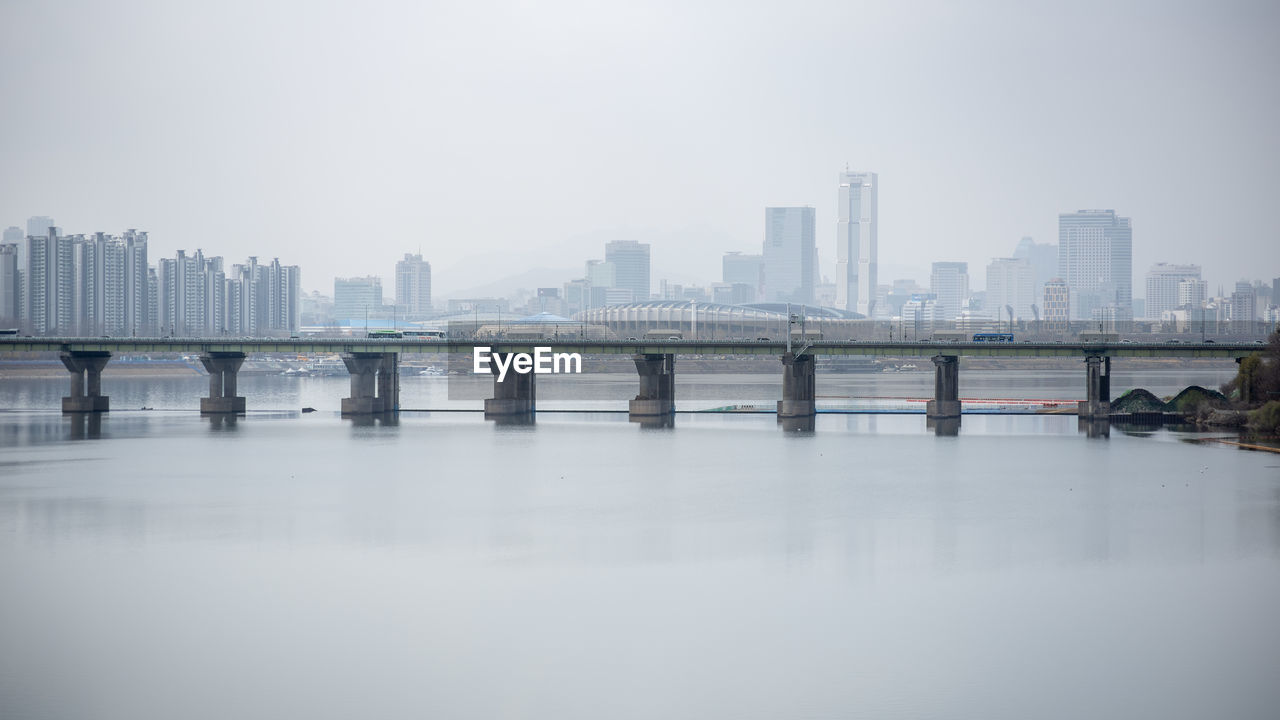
{"x":1095,"y":257}
{"x":740,"y":269}
{"x":39,"y":225}
{"x":1163,"y":281}
{"x":789,"y":254}
{"x":353,"y":297}
{"x":413,"y":285}
{"x":950,"y":283}
{"x":631,"y":266}
{"x":1011,"y":284}
{"x":856,"y":252}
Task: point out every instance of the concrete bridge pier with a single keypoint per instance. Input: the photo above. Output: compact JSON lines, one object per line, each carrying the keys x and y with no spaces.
{"x":946,"y":389}
{"x":657,"y":395}
{"x":222,"y":367}
{"x":516,"y":395}
{"x":364,"y":369}
{"x":389,"y":382}
{"x":798,"y":387}
{"x":86,"y":381}
{"x":1097,"y":389}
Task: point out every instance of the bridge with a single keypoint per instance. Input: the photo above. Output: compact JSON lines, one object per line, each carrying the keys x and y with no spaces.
{"x":373,"y":364}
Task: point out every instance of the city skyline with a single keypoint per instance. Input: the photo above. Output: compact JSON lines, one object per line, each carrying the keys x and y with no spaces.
{"x":959,"y":110}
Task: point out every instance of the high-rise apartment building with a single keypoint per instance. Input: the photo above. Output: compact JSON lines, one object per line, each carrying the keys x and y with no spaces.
{"x":949,"y":282}
{"x":1095,"y":257}
{"x":631,"y":266}
{"x":13,"y":235}
{"x":137,"y":314}
{"x":353,"y":298}
{"x":1011,"y":284}
{"x":10,"y":296}
{"x":1057,"y":305}
{"x":1163,"y":282}
{"x":856,"y":242}
{"x":413,"y":285}
{"x":790,"y":254}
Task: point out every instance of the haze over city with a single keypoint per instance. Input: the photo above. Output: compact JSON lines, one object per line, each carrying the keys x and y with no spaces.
{"x":500,"y":140}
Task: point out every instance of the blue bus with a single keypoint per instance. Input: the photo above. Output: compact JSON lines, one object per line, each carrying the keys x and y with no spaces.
{"x":993,"y":337}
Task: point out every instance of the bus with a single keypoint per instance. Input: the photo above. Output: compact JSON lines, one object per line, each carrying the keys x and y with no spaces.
{"x":425,"y":334}
{"x":993,"y":337}
{"x":8,"y":331}
{"x":385,"y":334}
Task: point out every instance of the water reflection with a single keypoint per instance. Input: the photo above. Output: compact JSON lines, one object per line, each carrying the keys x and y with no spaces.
{"x":1094,"y":428}
{"x":515,"y":420}
{"x":84,"y":426}
{"x":805,"y":424}
{"x":654,"y":422}
{"x":943,"y":427}
{"x":390,"y":419}
{"x":221,"y":422}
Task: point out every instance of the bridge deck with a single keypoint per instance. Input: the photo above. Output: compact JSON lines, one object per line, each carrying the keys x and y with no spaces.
{"x":630,"y":347}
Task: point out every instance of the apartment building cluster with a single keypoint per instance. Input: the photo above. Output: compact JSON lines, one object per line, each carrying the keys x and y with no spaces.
{"x":52,"y":283}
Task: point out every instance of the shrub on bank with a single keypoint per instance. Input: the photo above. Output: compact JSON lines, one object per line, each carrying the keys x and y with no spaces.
{"x":1266,"y":419}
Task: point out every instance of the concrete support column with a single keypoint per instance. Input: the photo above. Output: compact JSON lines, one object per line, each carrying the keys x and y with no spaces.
{"x":798,"y":387}
{"x":222,"y":367}
{"x":364,"y":398}
{"x":1097,"y":406}
{"x":946,"y":388}
{"x":85,"y":396}
{"x":389,"y":382}
{"x":515,"y":395}
{"x":657,"y":395}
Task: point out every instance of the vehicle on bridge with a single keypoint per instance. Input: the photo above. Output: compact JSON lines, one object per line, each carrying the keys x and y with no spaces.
{"x":993,"y":337}
{"x":8,"y":331}
{"x":386,"y":334}
{"x":424,"y":334}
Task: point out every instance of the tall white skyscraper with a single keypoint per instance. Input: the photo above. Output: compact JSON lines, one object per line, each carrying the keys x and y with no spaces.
{"x":1011,"y":284}
{"x":789,"y":254}
{"x":856,"y":254}
{"x":413,"y":285}
{"x":1095,"y":257}
{"x":1163,"y":280}
{"x":950,"y":283}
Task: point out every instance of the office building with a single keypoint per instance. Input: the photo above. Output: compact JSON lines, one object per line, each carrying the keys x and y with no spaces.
{"x":1095,"y":257}
{"x":790,"y":254}
{"x":1043,"y":258}
{"x":1056,"y":308}
{"x":741,"y":269}
{"x":1163,"y":283}
{"x":413,"y":286}
{"x":856,"y":242}
{"x":949,"y":283}
{"x":1011,"y":284}
{"x":356,"y":298}
{"x":630,"y":261}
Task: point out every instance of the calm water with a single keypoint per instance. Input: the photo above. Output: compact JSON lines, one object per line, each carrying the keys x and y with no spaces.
{"x":306,"y":566}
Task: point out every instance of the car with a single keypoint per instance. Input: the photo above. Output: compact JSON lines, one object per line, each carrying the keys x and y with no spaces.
{"x":633,"y":339}
{"x":763,"y":339}
{"x":1209,"y":342}
{"x":673,"y":337}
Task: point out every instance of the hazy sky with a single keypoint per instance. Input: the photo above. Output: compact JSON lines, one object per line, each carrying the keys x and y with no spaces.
{"x":502,"y":136}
